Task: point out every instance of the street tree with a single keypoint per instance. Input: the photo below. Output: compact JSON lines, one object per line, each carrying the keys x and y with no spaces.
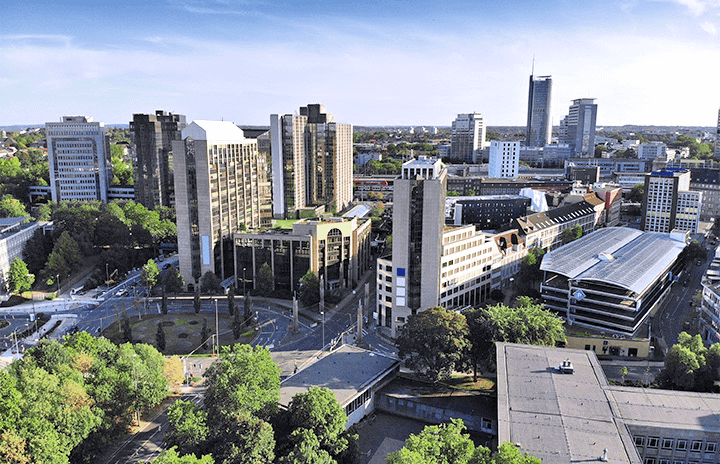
{"x":247,"y":310}
{"x":526,"y":323}
{"x":231,"y":300}
{"x":149,"y":274}
{"x":171,"y":456}
{"x":11,"y":207}
{"x":245,"y":378}
{"x":237,"y":325}
{"x":19,"y":278}
{"x":690,"y":366}
{"x":196,"y":301}
{"x":309,"y":293}
{"x":318,"y":410}
{"x":245,"y":439}
{"x":204,"y":334}
{"x":264,"y":280}
{"x":127,"y":329}
{"x":164,"y":306}
{"x":188,"y":427}
{"x":172,"y":280}
{"x":210,"y":283}
{"x":434,"y":342}
{"x":306,"y":449}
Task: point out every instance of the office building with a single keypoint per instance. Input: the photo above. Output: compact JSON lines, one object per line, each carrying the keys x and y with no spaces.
{"x":486,"y":212}
{"x":14,"y":234}
{"x":312,"y":161}
{"x":578,"y":128}
{"x":218,"y":191}
{"x":336,"y":249}
{"x":79,"y":159}
{"x":652,"y":150}
{"x":611,"y":279}
{"x":707,"y":182}
{"x":710,"y":308}
{"x":669,"y":203}
{"x":539,"y":123}
{"x":468,"y":137}
{"x":152,"y":136}
{"x":717,"y":138}
{"x":504,"y":159}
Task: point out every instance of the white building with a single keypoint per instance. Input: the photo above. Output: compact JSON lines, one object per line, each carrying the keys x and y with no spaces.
{"x":669,"y":204}
{"x":79,"y":158}
{"x":504,"y":159}
{"x":652,"y":150}
{"x":468,"y":137}
{"x":14,"y":233}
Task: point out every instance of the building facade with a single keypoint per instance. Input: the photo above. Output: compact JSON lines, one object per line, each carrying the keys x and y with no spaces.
{"x":504,"y":159}
{"x":312,"y":161}
{"x":539,"y":123}
{"x":218,"y":191}
{"x":578,"y":129}
{"x":652,"y":150}
{"x":468,"y":137}
{"x":669,"y":204}
{"x":152,"y":136}
{"x":486,"y":212}
{"x":14,"y":234}
{"x":717,"y":138}
{"x":79,"y":159}
{"x":336,"y":249}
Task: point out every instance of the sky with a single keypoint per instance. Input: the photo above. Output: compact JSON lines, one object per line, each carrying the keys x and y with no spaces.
{"x":389,"y":62}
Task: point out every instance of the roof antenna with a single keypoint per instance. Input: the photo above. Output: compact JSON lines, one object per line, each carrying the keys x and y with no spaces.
{"x":532,"y":73}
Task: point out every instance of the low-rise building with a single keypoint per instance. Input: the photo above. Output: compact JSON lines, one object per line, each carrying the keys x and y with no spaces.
{"x":14,"y":234}
{"x":486,"y":212}
{"x":710,"y":307}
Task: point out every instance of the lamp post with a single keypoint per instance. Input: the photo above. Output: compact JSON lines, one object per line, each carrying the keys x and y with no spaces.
{"x":137,"y":412}
{"x":217,"y":330}
{"x":243,"y":283}
{"x":57,"y":280}
{"x":107,"y":275}
{"x":323,"y":330}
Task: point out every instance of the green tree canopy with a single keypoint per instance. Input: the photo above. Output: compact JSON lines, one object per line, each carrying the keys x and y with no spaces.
{"x":210,"y":283}
{"x":434,"y":342}
{"x":526,"y":323}
{"x":149,"y":274}
{"x":264,"y":280}
{"x":11,"y":207}
{"x":19,"y":278}
{"x":690,"y":366}
{"x":171,"y":456}
{"x":309,"y":292}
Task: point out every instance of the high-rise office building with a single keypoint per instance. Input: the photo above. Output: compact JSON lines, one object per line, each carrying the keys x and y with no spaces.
{"x":504,"y":159}
{"x":218,"y":191}
{"x":468,"y":136}
{"x":669,"y":203}
{"x":311,"y":161}
{"x":578,"y":128}
{"x":79,"y":159}
{"x":539,"y":127}
{"x":152,"y":136}
{"x":717,"y":138}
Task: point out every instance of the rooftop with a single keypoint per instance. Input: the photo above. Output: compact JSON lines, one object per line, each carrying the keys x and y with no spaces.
{"x":621,"y":256}
{"x":216,"y":131}
{"x":346,"y":371}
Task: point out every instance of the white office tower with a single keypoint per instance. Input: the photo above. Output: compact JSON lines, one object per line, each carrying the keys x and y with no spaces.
{"x":79,"y":159}
{"x":652,"y":150}
{"x":504,"y":159}
{"x":468,"y":136}
{"x":578,"y":128}
{"x":669,"y":203}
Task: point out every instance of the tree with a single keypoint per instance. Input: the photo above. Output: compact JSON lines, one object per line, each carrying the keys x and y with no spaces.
{"x":196,"y":302}
{"x":447,"y":444}
{"x":434,"y":342}
{"x":231,"y":300}
{"x":692,"y":252}
{"x":172,"y":457}
{"x":149,"y":274}
{"x":210,"y":283}
{"x":245,"y":378}
{"x":127,"y":329}
{"x":188,"y":427}
{"x":247,"y":309}
{"x":637,"y":194}
{"x":306,"y":449}
{"x":526,"y":323}
{"x":690,"y":366}
{"x":172,"y":280}
{"x":309,"y":292}
{"x":572,"y":233}
{"x":204,"y":334}
{"x":11,"y":207}
{"x":245,"y":439}
{"x":160,"y":337}
{"x":264,"y":280}
{"x":19,"y":278}
{"x":237,"y":325}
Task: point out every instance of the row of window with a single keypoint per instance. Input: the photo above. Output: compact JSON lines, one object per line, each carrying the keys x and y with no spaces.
{"x":679,"y":444}
{"x":357,"y":402}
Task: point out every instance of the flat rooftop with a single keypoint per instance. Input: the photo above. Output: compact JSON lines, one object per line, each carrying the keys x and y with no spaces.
{"x":347,"y":371}
{"x":558,"y":417}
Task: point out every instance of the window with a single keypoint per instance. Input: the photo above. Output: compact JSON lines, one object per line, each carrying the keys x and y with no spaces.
{"x":650,"y":461}
{"x":681,"y":444}
{"x":696,"y":446}
{"x":664,"y":461}
{"x":652,"y":442}
{"x":639,"y":441}
{"x":710,"y":447}
{"x":667,"y":443}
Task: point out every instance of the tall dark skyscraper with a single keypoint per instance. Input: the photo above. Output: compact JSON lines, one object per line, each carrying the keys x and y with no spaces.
{"x":539,"y":126}
{"x":152,"y":136}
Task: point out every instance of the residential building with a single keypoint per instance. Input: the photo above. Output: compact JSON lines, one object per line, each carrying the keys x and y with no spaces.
{"x":652,"y":150}
{"x":668,"y":202}
{"x":612,"y":278}
{"x":312,"y":161}
{"x":707,"y":182}
{"x":612,"y":196}
{"x":373,"y":187}
{"x":336,"y":249}
{"x":544,"y":229}
{"x":578,"y":128}
{"x":610,"y":166}
{"x":152,"y":136}
{"x":480,"y":185}
{"x":504,"y":159}
{"x":710,"y":308}
{"x":539,"y":127}
{"x":14,"y":233}
{"x":468,"y":137}
{"x":218,"y":191}
{"x":79,"y":159}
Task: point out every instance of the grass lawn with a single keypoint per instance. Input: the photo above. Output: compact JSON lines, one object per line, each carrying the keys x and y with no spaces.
{"x":284,"y":223}
{"x":182,"y":331}
{"x":465,"y":382}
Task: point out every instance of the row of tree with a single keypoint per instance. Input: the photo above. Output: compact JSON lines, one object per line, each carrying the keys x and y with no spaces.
{"x":242,"y":423}
{"x":437,"y":342}
{"x":65,"y":402}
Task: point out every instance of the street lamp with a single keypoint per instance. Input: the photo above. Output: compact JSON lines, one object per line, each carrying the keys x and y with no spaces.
{"x":217,"y":330}
{"x":57,"y":279}
{"x":243,"y":283}
{"x":107,"y":275}
{"x":323,"y":331}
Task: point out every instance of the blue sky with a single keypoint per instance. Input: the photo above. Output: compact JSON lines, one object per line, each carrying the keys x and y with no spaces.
{"x":395,"y":62}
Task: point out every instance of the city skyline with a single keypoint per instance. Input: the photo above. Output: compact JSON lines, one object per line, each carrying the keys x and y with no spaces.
{"x":647,"y":62}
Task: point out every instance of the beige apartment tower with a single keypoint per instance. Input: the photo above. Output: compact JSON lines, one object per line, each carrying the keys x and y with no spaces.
{"x":219,"y":177}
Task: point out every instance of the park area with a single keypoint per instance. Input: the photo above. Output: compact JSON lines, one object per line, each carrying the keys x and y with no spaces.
{"x":183,"y":332}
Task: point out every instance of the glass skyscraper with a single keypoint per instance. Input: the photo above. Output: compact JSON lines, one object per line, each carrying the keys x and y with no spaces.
{"x":539,"y":126}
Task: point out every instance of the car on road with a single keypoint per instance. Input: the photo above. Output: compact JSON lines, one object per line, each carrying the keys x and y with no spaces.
{"x":685,"y":284}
